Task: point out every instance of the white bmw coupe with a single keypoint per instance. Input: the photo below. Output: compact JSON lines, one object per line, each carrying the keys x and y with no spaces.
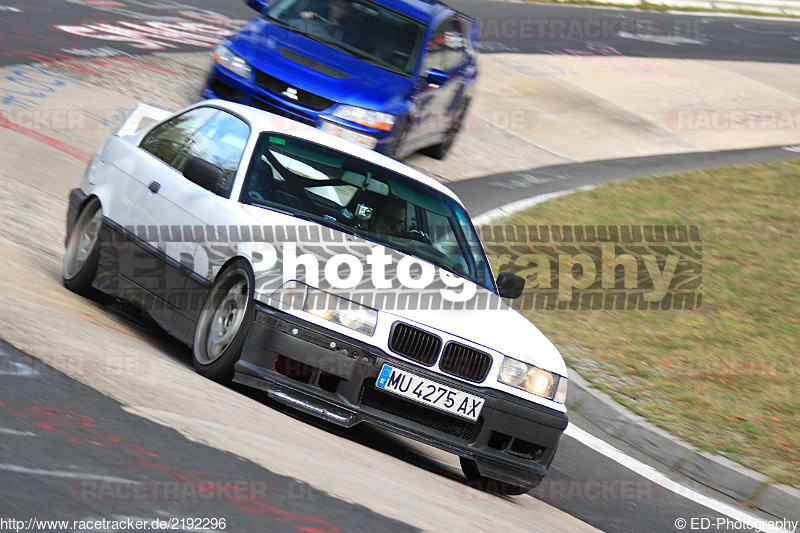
{"x":341,"y":282}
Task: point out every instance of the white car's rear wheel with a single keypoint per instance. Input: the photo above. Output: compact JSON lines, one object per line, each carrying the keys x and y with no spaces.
{"x":224,"y":322}
{"x":80,"y":258}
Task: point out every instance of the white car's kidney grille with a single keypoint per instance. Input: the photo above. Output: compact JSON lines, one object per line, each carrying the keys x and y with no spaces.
{"x":465,"y":362}
{"x":414,"y":343}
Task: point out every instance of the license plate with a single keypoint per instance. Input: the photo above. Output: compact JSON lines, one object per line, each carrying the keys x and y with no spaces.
{"x":429,"y":392}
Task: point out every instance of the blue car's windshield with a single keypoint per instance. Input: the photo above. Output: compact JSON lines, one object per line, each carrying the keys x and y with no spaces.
{"x":362,"y":28}
{"x":352,"y":195}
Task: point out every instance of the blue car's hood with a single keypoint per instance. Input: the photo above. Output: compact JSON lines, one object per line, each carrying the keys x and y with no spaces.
{"x":356,"y":82}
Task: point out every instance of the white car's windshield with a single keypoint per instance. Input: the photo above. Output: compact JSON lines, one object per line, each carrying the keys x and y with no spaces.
{"x":362,"y":28}
{"x":350,"y":194}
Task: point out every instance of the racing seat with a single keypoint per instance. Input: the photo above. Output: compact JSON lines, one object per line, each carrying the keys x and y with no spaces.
{"x":267,"y":188}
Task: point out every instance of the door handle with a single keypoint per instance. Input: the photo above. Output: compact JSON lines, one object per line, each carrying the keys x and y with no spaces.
{"x":154,"y":187}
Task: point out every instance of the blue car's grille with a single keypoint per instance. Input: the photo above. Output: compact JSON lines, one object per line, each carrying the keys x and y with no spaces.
{"x":277,"y":110}
{"x":290,"y":93}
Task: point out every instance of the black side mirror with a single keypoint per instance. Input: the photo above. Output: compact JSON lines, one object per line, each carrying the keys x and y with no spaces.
{"x":207,"y":175}
{"x":258,"y":5}
{"x":510,"y":285}
{"x":436,"y":77}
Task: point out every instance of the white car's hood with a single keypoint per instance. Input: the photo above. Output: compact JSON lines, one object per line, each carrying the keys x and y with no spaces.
{"x":484,"y":319}
{"x":503,"y":330}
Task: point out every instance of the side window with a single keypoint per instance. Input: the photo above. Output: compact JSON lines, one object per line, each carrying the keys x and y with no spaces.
{"x":447,"y":48}
{"x":166,"y":140}
{"x":454,"y":44}
{"x":435,"y":50}
{"x":220,"y":141}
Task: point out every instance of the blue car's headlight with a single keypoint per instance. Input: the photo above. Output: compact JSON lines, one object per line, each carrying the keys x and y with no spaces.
{"x":227,"y":59}
{"x":366,"y":117}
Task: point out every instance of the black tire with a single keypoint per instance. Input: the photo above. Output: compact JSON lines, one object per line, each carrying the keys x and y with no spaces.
{"x":476,"y":480}
{"x":439,"y":151}
{"x":224,"y":322}
{"x":394,"y":148}
{"x":82,"y":251}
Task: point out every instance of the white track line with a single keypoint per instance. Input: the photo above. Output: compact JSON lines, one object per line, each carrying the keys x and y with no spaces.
{"x":16,"y":433}
{"x":600,"y":446}
{"x":64,"y":474}
{"x":515,"y":207}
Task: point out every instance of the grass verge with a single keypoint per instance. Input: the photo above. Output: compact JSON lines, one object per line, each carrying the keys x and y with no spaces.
{"x":725,"y":376}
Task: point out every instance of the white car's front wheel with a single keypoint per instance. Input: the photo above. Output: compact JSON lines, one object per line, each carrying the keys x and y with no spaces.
{"x":81,"y":256}
{"x":224,"y":322}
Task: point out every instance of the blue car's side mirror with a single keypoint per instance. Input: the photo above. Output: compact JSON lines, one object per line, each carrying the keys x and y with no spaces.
{"x":436,"y":77}
{"x":258,"y":5}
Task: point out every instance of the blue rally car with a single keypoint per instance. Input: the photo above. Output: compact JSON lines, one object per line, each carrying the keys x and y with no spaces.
{"x":395,"y":76}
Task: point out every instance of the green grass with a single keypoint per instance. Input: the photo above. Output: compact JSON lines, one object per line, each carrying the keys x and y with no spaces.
{"x":666,"y":7}
{"x":724,"y":377}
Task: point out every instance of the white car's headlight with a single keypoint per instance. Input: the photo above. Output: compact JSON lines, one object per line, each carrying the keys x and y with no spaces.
{"x":533,"y":379}
{"x":224,"y":57}
{"x":297,"y":296}
{"x":366,"y":117}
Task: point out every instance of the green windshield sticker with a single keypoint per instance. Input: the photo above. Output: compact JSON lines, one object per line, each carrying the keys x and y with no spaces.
{"x":277,"y":140}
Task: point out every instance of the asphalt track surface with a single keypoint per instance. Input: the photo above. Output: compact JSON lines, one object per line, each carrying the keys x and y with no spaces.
{"x":68,"y":452}
{"x":486,"y":193}
{"x":43,"y":461}
{"x":30,"y":33}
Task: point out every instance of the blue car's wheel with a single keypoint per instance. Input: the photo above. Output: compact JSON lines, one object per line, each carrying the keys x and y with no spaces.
{"x":439,"y":151}
{"x":395,"y":149}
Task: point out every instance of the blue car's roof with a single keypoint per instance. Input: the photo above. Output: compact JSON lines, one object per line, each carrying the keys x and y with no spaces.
{"x":423,"y":10}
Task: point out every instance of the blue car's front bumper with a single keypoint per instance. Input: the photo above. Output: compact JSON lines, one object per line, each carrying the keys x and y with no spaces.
{"x":228,"y":86}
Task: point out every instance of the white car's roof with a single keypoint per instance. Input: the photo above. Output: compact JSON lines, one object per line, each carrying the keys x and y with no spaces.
{"x":264,"y":121}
